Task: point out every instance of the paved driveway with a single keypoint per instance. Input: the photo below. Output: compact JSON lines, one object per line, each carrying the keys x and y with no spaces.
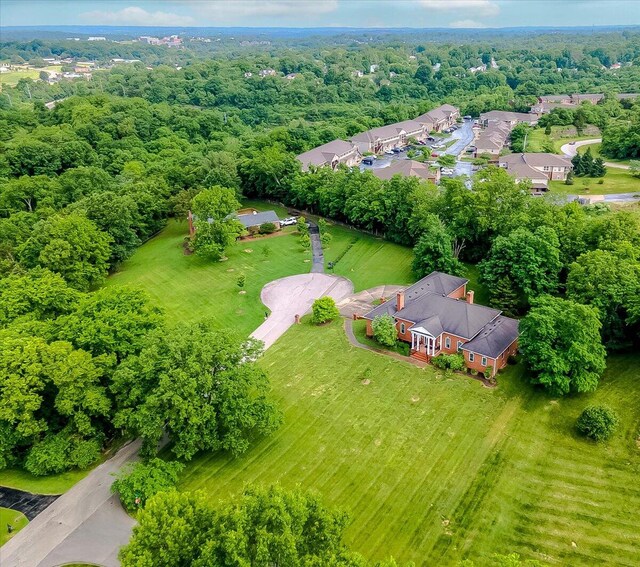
{"x":571,"y":150}
{"x":85,"y":524}
{"x":288,"y":297}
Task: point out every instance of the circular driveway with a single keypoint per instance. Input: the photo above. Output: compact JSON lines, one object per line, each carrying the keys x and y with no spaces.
{"x":288,"y":297}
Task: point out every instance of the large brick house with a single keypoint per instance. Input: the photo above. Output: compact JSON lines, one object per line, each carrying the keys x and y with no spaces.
{"x":438,"y":315}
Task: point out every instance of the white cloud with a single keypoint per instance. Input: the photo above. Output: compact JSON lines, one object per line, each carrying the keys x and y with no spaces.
{"x":224,"y":10}
{"x":475,"y":7}
{"x":136,"y":16}
{"x":466,"y":24}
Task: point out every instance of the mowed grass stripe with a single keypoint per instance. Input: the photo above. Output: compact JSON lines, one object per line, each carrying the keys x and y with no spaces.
{"x":503,"y":466}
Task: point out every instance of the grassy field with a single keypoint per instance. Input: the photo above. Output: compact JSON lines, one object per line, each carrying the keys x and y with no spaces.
{"x":189,"y":288}
{"x":434,"y":468}
{"x":559,"y":135}
{"x":12,"y":77}
{"x":615,"y":181}
{"x":16,"y":520}
{"x":54,"y":484}
{"x":368,"y":261}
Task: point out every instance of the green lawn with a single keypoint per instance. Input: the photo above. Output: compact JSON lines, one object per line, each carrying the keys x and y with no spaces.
{"x":615,"y":181}
{"x":368,"y":261}
{"x":189,"y":288}
{"x":434,"y":469}
{"x":559,"y":135}
{"x":54,"y":484}
{"x":16,"y":520}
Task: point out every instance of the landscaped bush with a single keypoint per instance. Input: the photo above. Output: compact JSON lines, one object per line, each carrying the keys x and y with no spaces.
{"x":384,"y":330}
{"x":139,"y":482}
{"x":449,"y":362}
{"x":597,"y":422}
{"x":267,"y":228}
{"x":324,"y":310}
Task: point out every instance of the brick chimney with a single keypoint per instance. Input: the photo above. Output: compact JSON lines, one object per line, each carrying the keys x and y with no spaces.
{"x":400,"y":300}
{"x":470,"y":296}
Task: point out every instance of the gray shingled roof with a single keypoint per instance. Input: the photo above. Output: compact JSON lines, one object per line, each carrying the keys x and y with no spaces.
{"x":455,"y":316}
{"x":258,"y":218}
{"x":427,"y":306}
{"x":495,"y":338}
{"x":435,"y":282}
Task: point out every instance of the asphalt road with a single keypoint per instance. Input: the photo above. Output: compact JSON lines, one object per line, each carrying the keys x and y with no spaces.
{"x":29,"y":504}
{"x":463,"y":136}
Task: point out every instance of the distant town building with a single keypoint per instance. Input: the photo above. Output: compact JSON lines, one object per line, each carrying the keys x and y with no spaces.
{"x":97,"y":38}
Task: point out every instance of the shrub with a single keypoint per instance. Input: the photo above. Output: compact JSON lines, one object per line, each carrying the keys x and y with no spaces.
{"x":384,"y":330}
{"x":49,"y":456}
{"x":324,"y":310}
{"x":597,"y":422}
{"x":140,"y":481}
{"x":325,"y":238}
{"x":305,"y":241}
{"x":449,"y":361}
{"x":267,"y":228}
{"x":301,"y":225}
{"x":242,"y":279}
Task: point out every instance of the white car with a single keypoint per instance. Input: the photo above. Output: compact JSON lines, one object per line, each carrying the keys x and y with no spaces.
{"x":289,"y":221}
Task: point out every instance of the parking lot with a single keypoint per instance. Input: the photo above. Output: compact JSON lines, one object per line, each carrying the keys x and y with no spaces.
{"x":462,"y":137}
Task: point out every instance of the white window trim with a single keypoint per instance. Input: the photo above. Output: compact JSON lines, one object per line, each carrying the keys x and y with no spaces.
{"x":471,"y":357}
{"x":460,"y":343}
{"x":447,"y":342}
{"x":402,"y":328}
{"x":483,"y":361}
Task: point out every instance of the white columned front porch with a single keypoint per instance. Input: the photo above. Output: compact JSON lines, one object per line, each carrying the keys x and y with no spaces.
{"x":418,"y":338}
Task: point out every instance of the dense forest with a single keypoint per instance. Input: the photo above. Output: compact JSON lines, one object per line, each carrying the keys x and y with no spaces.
{"x":84,"y":184}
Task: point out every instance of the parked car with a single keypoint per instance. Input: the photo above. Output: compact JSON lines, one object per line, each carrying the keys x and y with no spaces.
{"x":431,"y":139}
{"x":434,"y":154}
{"x":289,"y":221}
{"x":388,"y":152}
{"x":467,"y":117}
{"x":396,"y":150}
{"x":368,"y":160}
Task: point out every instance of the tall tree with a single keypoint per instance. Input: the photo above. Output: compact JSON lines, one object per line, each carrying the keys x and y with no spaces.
{"x":561,"y":345}
{"x":608,"y":281}
{"x":530,"y":260}
{"x":200,"y":386}
{"x":434,"y":250}
{"x":266,"y":526}
{"x":71,"y":246}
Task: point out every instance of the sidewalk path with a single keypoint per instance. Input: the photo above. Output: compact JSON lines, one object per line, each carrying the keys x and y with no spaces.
{"x":288,"y":297}
{"x":571,"y":150}
{"x":85,"y":524}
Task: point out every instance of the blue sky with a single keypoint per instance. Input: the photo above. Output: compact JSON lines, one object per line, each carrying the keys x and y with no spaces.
{"x":321,"y":13}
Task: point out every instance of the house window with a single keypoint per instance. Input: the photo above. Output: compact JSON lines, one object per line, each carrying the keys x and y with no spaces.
{"x":447,"y":342}
{"x":402,"y":328}
{"x":484,"y":361}
{"x":459,"y":345}
{"x":471,"y":357}
{"x":546,"y":168}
